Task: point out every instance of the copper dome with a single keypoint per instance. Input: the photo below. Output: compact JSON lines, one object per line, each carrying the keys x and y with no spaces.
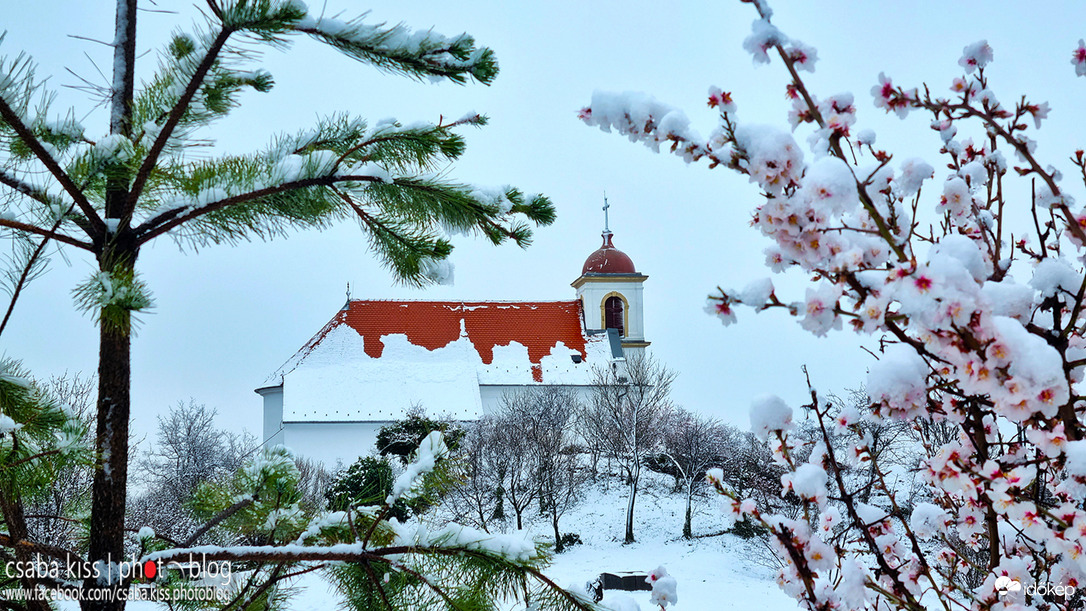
{"x":608,"y":260}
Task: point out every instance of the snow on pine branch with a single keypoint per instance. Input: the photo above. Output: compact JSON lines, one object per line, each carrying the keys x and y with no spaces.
{"x":431,"y":450}
{"x":515,"y":547}
{"x":418,"y":53}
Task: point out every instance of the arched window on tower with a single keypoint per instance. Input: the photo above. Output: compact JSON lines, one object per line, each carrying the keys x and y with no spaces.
{"x":613,"y":314}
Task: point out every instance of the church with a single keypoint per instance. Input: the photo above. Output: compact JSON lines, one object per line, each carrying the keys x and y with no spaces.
{"x":377,"y":358}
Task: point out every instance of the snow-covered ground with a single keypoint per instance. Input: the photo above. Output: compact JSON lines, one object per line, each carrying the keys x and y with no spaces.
{"x":719,"y":572}
{"x":715,"y":572}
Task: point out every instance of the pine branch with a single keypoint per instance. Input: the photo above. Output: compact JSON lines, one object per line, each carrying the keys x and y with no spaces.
{"x":225,"y":514}
{"x":51,"y":551}
{"x":358,"y":555}
{"x":397,"y":49}
{"x":151,"y":160}
{"x":50,"y":234}
{"x":28,"y":271}
{"x":168,"y":220}
{"x":10,"y":117}
{"x":24,"y":188}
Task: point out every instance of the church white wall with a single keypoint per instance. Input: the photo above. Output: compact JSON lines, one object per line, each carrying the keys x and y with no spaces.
{"x":492,"y":395}
{"x":332,"y":442}
{"x":273,"y":415}
{"x":343,"y":442}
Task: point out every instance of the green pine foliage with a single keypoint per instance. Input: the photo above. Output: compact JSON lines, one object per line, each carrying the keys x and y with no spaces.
{"x":403,"y":437}
{"x":367,"y":482}
{"x":390,"y":563}
{"x":38,"y":435}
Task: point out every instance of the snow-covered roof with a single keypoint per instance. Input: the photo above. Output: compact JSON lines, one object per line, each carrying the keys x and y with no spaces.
{"x":374,"y":359}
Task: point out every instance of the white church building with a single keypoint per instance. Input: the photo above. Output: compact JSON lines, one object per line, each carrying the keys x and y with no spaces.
{"x":376,"y":358}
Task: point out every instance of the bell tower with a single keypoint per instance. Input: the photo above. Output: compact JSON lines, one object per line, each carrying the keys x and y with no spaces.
{"x":610,"y":290}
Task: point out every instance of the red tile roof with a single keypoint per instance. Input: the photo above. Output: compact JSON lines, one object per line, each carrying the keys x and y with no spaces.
{"x":537,"y":325}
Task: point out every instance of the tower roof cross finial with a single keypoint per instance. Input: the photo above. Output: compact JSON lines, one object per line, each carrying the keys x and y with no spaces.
{"x":606,"y":220}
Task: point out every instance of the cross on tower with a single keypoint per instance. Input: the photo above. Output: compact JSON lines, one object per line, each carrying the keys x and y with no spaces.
{"x":606,"y":221}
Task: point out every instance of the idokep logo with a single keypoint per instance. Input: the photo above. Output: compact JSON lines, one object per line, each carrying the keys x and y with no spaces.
{"x":1005,"y":585}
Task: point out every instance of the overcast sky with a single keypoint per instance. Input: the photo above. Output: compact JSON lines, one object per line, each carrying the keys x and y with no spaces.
{"x":226,"y":317}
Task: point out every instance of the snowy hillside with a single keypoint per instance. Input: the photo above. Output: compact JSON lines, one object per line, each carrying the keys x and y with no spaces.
{"x":719,"y":572}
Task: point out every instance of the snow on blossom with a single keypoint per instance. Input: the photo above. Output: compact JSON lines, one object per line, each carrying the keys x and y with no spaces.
{"x":928,"y":520}
{"x":1078,"y":58}
{"x":847,"y":417}
{"x":769,"y":413}
{"x":774,"y":160}
{"x":1008,"y":298}
{"x":756,"y":293}
{"x":830,"y":184}
{"x":1075,"y":452}
{"x":1035,"y":382}
{"x":663,"y":588}
{"x":976,"y":55}
{"x":838,"y":112}
{"x":1052,"y":275}
{"x":975,"y":173}
{"x":763,"y":36}
{"x":913,"y":173}
{"x":808,"y":481}
{"x":897,"y":381}
{"x":820,"y":309}
{"x":803,"y":56}
{"x":955,"y":252}
{"x":956,"y":200}
{"x":865,"y":137}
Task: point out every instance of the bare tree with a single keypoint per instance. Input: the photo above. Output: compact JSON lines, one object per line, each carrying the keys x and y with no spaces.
{"x":544,"y":416}
{"x":693,"y":444}
{"x":519,"y":477}
{"x":313,"y":481}
{"x":478,"y":498}
{"x":188,"y":451}
{"x":627,"y":416}
{"x":54,"y":518}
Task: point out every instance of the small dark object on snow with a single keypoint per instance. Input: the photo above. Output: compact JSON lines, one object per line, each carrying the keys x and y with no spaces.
{"x":627,"y":581}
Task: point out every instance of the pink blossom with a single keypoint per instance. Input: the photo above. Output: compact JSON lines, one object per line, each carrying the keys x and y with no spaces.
{"x":722,"y":309}
{"x":1039,"y":112}
{"x":722,"y":100}
{"x":1078,"y":58}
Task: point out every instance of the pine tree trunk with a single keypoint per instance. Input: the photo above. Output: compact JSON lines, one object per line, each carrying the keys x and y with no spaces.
{"x":115,"y":252}
{"x":111,"y":480}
